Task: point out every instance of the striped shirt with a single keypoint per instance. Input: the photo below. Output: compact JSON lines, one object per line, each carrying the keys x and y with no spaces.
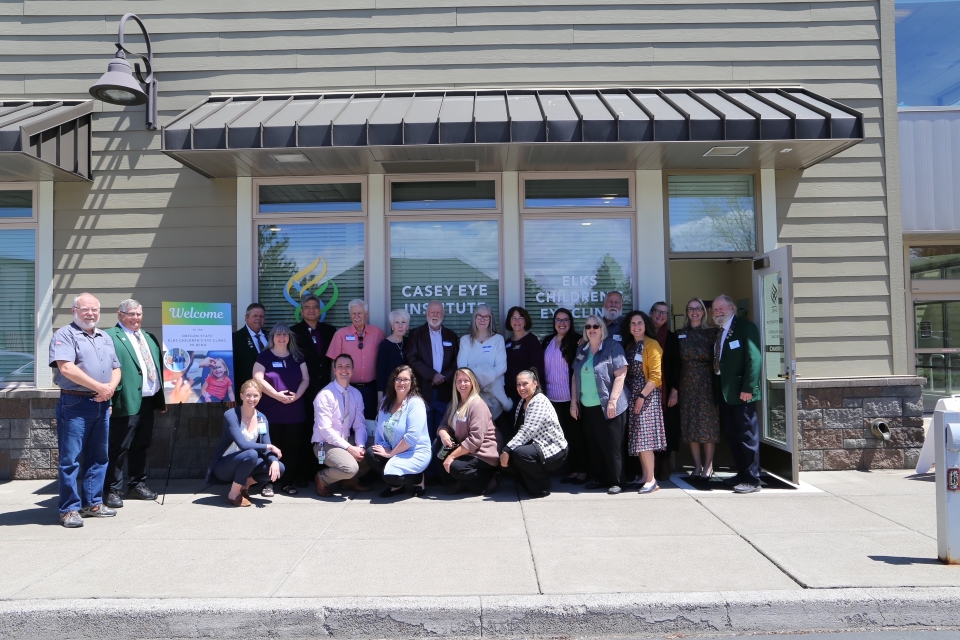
{"x":558,"y":374}
{"x":540,"y":426}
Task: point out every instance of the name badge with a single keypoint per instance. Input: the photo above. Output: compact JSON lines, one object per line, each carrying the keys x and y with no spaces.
{"x":314,"y":338}
{"x":351,"y":338}
{"x":581,"y":357}
{"x":735,"y":344}
{"x":617,"y":337}
{"x":637,"y":357}
{"x":448,"y":344}
{"x":508,"y":345}
{"x":682,"y":335}
{"x":487,"y":348}
{"x":278,"y":365}
{"x":261,"y":428}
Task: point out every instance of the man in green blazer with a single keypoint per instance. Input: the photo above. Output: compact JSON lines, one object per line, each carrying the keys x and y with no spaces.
{"x":132,"y":407}
{"x":737,"y":367}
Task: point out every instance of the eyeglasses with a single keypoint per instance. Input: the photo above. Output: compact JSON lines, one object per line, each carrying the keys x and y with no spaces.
{"x":360,"y":338}
{"x":659,"y":312}
{"x":591,"y":326}
{"x":483,"y":317}
{"x":88,"y":309}
{"x":562,"y":320}
{"x":404,"y":380}
{"x":135,"y":314}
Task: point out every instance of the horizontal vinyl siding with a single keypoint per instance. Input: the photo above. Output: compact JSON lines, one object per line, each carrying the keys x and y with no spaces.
{"x":151,"y":228}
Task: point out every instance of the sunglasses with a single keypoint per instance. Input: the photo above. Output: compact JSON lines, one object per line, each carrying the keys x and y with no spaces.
{"x":360,"y":342}
{"x":591,"y":326}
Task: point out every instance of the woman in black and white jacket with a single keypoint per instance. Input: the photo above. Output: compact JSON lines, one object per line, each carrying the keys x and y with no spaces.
{"x":539,"y":446}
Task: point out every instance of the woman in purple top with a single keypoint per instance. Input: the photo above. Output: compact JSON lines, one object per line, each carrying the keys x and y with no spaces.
{"x":523,"y":352}
{"x":281,"y":371}
{"x":559,"y":351}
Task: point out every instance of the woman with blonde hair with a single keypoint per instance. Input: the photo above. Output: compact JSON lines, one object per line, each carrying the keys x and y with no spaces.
{"x":469,"y":438}
{"x":482,"y":351}
{"x":699,"y":414}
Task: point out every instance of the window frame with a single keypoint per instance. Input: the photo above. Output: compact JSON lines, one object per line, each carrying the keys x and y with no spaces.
{"x":361,"y":179}
{"x":631,"y":177}
{"x":706,"y":255}
{"x":389,"y":179}
{"x":577,"y":214}
{"x":431,"y":216}
{"x":31,"y":223}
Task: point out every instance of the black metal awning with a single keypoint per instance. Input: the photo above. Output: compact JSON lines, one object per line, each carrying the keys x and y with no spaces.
{"x":45,"y":140}
{"x":494,"y":130}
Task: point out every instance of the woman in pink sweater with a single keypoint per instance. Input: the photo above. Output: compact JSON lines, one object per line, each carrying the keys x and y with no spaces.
{"x":468,"y":430}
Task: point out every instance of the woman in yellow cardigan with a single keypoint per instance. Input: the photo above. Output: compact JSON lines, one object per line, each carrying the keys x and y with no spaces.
{"x":646,"y":428}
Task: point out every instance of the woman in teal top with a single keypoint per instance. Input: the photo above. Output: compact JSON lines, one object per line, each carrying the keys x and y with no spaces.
{"x":598,"y":400}
{"x":401,"y":450}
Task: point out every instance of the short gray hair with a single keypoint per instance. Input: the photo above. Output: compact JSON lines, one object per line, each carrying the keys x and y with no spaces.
{"x":358,"y":303}
{"x":128,"y":305}
{"x":398,"y":314}
{"x":725,"y":298}
{"x":310,"y":298}
{"x":76,"y":300}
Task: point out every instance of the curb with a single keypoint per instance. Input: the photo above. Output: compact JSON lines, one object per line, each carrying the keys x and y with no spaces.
{"x":471,"y":617}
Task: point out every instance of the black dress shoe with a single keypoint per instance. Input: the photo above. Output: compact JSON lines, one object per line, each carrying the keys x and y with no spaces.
{"x":113,"y":500}
{"x":593,"y":485}
{"x":140,"y":491}
{"x":389,"y":492}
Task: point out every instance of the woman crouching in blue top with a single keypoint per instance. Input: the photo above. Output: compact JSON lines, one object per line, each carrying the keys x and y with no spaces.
{"x":401,"y":450}
{"x":244,"y":454}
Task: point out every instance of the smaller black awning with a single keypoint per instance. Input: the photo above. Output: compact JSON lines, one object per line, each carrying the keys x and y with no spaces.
{"x":622,"y":128}
{"x":45,"y":140}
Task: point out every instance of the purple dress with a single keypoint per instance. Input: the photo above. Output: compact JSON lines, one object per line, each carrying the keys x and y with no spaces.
{"x":284,"y":375}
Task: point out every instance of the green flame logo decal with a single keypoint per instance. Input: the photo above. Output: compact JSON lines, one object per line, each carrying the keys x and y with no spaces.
{"x":305,"y":287}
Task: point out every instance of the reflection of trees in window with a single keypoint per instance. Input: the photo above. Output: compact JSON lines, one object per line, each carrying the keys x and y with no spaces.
{"x":610,"y":277}
{"x":272,"y":258}
{"x":716,"y":224}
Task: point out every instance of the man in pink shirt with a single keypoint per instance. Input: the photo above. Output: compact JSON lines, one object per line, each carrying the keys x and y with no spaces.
{"x":361,"y":342}
{"x":338,"y":410}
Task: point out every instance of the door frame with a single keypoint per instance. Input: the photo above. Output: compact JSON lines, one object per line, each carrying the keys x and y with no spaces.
{"x":781,"y":459}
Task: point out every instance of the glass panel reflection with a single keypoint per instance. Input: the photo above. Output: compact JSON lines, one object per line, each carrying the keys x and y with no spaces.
{"x":937,"y":324}
{"x":712,"y":213}
{"x":942,"y":371}
{"x":774,"y":358}
{"x":935,"y":263}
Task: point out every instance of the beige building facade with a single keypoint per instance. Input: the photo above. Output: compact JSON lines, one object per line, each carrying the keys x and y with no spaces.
{"x":157,"y":222}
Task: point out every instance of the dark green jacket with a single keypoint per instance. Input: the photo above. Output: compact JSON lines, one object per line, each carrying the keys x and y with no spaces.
{"x":740,"y":364}
{"x":129,"y":395}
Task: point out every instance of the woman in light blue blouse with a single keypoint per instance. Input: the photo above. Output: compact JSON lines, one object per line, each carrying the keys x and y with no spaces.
{"x":401,"y":450}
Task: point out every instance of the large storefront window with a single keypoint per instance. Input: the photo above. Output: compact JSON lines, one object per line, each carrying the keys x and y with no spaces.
{"x":712,"y":213}
{"x":573,"y":263}
{"x":323,"y":258}
{"x":454,"y":262}
{"x":18,"y":260}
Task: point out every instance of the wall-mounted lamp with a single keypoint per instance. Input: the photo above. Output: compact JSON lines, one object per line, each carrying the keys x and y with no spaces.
{"x":122,"y":85}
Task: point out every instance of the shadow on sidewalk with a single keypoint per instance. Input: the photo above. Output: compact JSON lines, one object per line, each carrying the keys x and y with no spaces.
{"x":32,"y":515}
{"x":904,"y":560}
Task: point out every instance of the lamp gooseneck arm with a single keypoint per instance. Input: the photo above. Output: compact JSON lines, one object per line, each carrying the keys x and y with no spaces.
{"x":148,"y":80}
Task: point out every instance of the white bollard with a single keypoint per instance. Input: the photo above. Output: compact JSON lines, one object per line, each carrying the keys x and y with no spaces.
{"x":946,"y":435}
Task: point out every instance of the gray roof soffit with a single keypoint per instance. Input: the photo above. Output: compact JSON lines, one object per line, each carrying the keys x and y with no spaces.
{"x":382,"y":123}
{"x":45,"y":140}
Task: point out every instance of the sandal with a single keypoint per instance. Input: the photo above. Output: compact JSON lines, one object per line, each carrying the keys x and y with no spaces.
{"x":290,"y":490}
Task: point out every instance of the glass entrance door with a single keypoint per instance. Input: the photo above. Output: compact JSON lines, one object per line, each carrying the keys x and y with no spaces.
{"x":937,"y":347}
{"x":773,"y":309}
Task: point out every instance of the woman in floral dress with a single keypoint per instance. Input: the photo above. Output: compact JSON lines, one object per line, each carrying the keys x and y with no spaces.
{"x":646,"y":426}
{"x":699,"y":414}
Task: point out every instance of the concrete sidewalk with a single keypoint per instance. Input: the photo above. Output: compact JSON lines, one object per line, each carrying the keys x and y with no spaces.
{"x":844,"y":530}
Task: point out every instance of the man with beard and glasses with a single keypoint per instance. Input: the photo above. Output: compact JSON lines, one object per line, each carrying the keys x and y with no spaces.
{"x":613,"y":313}
{"x":87,"y":372}
{"x":432,"y":354}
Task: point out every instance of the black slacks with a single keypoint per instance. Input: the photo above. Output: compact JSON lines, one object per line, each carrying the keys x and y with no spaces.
{"x":471,"y":472}
{"x":368,"y":391}
{"x":743,"y":435}
{"x":578,"y":460}
{"x":288,"y":437}
{"x":130,"y":437}
{"x":605,"y":443}
{"x":377,"y":463}
{"x":528,"y":467}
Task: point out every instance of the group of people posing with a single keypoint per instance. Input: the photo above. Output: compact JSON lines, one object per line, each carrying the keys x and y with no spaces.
{"x":606,"y":403}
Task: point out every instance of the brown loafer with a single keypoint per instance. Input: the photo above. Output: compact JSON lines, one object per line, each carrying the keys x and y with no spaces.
{"x":239,"y":501}
{"x":353,"y":484}
{"x":322,"y":490}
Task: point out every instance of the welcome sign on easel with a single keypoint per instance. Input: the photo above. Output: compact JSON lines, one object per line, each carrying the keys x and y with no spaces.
{"x":197,"y":352}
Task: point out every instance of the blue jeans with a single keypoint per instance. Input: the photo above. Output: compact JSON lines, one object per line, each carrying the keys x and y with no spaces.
{"x":83,"y":429}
